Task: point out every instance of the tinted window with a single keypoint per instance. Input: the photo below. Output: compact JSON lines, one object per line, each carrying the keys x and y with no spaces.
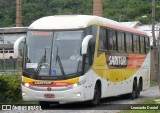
{"x":129,"y":42}
{"x":147,"y":44}
{"x":142,"y":45}
{"x":112,"y":40}
{"x":136,"y":43}
{"x":121,"y":41}
{"x":102,"y":39}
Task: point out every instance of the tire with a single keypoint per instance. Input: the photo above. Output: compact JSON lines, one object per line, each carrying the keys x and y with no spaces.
{"x":138,"y":90}
{"x":96,"y":98}
{"x":134,"y":91}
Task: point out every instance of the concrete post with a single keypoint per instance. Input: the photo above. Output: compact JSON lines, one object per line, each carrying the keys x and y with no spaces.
{"x":97,"y":8}
{"x":18,"y":13}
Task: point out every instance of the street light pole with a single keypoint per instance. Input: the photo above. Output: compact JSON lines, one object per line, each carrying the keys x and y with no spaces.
{"x":158,"y":45}
{"x":3,"y":55}
{"x":154,"y":40}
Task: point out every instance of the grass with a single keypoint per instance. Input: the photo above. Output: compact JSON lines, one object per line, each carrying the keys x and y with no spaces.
{"x":150,"y":101}
{"x":142,"y":111}
{"x":153,"y":83}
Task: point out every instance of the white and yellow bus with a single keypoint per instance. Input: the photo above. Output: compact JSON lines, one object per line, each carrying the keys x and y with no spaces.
{"x":78,"y":58}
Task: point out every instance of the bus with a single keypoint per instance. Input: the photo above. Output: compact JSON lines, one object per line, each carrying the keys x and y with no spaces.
{"x":83,"y":58}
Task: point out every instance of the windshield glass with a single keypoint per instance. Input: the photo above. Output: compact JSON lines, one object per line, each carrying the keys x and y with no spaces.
{"x":54,"y":53}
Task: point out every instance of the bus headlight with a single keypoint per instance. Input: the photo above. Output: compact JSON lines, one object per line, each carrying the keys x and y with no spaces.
{"x":77,"y":84}
{"x":27,"y":85}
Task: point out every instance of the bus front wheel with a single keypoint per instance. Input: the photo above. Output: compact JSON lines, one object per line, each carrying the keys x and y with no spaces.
{"x":97,"y":96}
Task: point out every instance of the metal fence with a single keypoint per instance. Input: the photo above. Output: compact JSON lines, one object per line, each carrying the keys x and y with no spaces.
{"x":10,"y":66}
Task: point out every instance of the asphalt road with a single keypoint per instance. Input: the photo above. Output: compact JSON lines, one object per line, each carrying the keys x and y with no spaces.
{"x":108,"y":105}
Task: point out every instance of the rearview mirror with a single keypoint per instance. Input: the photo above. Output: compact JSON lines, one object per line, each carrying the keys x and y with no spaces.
{"x":85,"y":44}
{"x":18,"y":47}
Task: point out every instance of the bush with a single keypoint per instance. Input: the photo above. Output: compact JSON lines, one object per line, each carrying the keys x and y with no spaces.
{"x":10,"y":88}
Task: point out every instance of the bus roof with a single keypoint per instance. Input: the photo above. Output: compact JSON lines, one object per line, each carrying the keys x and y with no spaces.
{"x":78,"y":21}
{"x":63,"y":22}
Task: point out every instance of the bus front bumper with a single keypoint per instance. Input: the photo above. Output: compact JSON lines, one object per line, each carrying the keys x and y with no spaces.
{"x":66,"y":96}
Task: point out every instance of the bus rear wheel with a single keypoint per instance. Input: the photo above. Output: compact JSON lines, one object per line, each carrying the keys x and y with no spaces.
{"x":97,"y":96}
{"x":138,"y":89}
{"x":134,"y":90}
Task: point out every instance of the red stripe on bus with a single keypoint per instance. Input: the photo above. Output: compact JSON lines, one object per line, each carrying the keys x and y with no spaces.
{"x":135,"y":60}
{"x":125,"y":29}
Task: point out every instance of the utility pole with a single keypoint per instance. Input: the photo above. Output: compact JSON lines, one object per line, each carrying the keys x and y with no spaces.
{"x":153,"y":24}
{"x":4,"y":62}
{"x":155,"y":47}
{"x":158,"y":45}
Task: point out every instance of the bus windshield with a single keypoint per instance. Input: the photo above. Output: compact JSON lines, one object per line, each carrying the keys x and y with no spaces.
{"x":53,"y":53}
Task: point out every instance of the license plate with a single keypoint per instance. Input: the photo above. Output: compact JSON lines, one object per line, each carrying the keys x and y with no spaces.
{"x":48,"y":95}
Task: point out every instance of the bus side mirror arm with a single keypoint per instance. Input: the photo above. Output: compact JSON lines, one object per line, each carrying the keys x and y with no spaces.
{"x":85,"y":44}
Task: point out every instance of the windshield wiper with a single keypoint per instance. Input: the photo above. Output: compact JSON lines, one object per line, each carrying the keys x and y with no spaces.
{"x":43,"y":59}
{"x":59,"y":62}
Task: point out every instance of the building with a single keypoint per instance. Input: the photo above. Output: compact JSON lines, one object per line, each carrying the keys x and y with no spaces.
{"x":8,"y":36}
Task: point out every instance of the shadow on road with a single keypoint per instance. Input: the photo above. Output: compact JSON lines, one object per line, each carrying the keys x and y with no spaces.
{"x":110,"y":103}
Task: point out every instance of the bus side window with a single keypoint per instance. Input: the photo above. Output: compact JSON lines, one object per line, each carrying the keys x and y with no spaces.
{"x":142,"y":45}
{"x":129,"y":43}
{"x":112,"y":40}
{"x":102,"y":41}
{"x":147,"y":45}
{"x":121,"y":41}
{"x":136,"y":43}
{"x":89,"y":57}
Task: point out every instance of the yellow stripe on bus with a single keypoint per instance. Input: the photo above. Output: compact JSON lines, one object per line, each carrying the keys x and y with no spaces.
{"x":72,"y":80}
{"x":116,"y":75}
